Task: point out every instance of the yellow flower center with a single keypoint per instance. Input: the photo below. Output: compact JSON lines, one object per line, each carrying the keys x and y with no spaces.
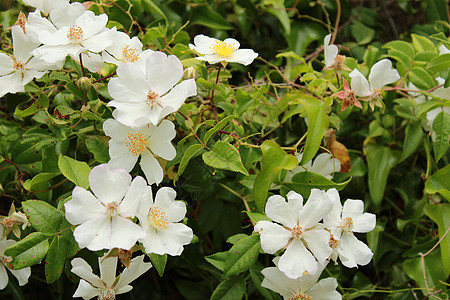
{"x":299,"y":296}
{"x":376,"y":94}
{"x":136,"y":142}
{"x":347,"y":224}
{"x":223,"y":48}
{"x":153,"y":99}
{"x":158,"y":218}
{"x":129,"y":54}
{"x":108,"y":294}
{"x":8,"y":222}
{"x":333,"y":243}
{"x":297,"y":231}
{"x":112,"y":208}
{"x":19,"y":65}
{"x":75,"y":34}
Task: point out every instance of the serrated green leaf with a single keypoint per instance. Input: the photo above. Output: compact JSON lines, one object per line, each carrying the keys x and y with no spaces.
{"x":441,"y":126}
{"x":440,"y":214}
{"x":303,"y":182}
{"x":54,"y":261}
{"x":224,"y":156}
{"x":159,"y":262}
{"x":380,"y":161}
{"x":75,"y":171}
{"x":413,"y":138}
{"x":188,"y":154}
{"x":421,"y":78}
{"x":439,"y":63}
{"x":232,"y":288}
{"x":218,"y":127}
{"x":317,"y":125}
{"x":274,"y":159}
{"x":242,"y":255}
{"x":28,"y":251}
{"x":43,"y":217}
{"x":439,"y":183}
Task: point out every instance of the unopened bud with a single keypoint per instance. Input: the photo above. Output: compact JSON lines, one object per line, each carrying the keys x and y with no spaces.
{"x":84,"y":84}
{"x":190,"y":72}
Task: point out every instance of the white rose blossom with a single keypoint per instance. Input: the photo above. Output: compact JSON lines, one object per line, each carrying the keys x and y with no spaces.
{"x":381,"y":74}
{"x":160,"y":221}
{"x":147,"y":141}
{"x":104,"y":217}
{"x":304,"y":287}
{"x":324,"y":164}
{"x":125,"y":49}
{"x":20,"y":68}
{"x":214,"y":50}
{"x":22,"y":275}
{"x":342,"y":222}
{"x":107,"y":286}
{"x":306,"y":243}
{"x":147,"y":97}
{"x":46,"y":5}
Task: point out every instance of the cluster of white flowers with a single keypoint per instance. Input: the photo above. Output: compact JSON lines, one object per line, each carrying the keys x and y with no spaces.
{"x":310,"y":244}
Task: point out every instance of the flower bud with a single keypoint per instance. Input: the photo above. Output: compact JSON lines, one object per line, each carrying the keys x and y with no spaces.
{"x":190,"y":72}
{"x":84,"y":84}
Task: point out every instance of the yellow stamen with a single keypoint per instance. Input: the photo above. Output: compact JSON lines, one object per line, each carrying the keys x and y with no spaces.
{"x":8,"y":222}
{"x":299,"y":296}
{"x":112,"y":208}
{"x":223,"y":48}
{"x":75,"y":34}
{"x":347,"y":224}
{"x":333,"y":243}
{"x":108,"y":294}
{"x":136,"y":142}
{"x":129,"y":54}
{"x":297,"y":231}
{"x":153,"y":99}
{"x":158,"y":218}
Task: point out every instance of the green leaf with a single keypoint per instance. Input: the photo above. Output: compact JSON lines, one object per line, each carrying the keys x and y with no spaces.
{"x":159,"y":262}
{"x":224,"y":156}
{"x":151,"y":7}
{"x":421,"y":78}
{"x":96,"y":146}
{"x":439,"y":183}
{"x":361,"y":32}
{"x":242,"y":255}
{"x":317,"y":125}
{"x":30,"y":184}
{"x":439,"y":63}
{"x":217,"y":259}
{"x":422,"y":44}
{"x":441,"y":126}
{"x":413,"y":138}
{"x":256,"y":217}
{"x":188,"y":154}
{"x":440,"y":214}
{"x":43,"y":217}
{"x":279,"y":11}
{"x":56,"y":257}
{"x":40,"y":104}
{"x":204,"y":15}
{"x":441,"y":38}
{"x":75,"y":171}
{"x":403,"y":47}
{"x":232,"y":288}
{"x":303,"y":182}
{"x":380,"y":161}
{"x":274,"y":159}
{"x":28,"y":251}
{"x":218,"y":127}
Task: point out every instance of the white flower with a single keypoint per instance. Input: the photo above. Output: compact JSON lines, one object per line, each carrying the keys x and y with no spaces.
{"x":305,"y":287}
{"x":324,"y":164}
{"x":159,"y":220}
{"x":46,"y":5}
{"x":124,"y":49}
{"x":107,"y":286}
{"x":19,"y":69}
{"x":141,"y":98}
{"x":381,"y":74}
{"x":127,"y":144}
{"x":330,"y":52}
{"x":76,"y":31}
{"x":22,"y":275}
{"x":343,"y":222}
{"x":298,"y":232}
{"x":104,"y":219}
{"x":215,"y":51}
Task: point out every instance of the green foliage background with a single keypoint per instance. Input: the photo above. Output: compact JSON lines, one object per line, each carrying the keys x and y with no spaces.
{"x":399,"y":172}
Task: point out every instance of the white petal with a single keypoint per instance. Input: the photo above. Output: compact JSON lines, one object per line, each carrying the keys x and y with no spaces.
{"x":276,"y":281}
{"x":129,"y":86}
{"x":66,"y":15}
{"x":76,"y":212}
{"x":6,"y":64}
{"x":3,"y":276}
{"x":325,"y":290}
{"x":333,"y":219}
{"x":242,"y":56}
{"x":352,"y":208}
{"x":91,"y":24}
{"x":324,"y":164}
{"x":163,"y":72}
{"x":176,"y":97}
{"x":297,"y":260}
{"x":286,"y":213}
{"x":317,"y":241}
{"x":359,"y":84}
{"x":132,"y":113}
{"x":174,"y":237}
{"x":330,"y":51}
{"x":23,"y":45}
{"x":316,"y":208}
{"x":86,"y":291}
{"x":136,"y":192}
{"x":273,"y":236}
{"x":109,"y":184}
{"x":83,"y":270}
{"x":108,"y":267}
{"x":124,"y":233}
{"x":353,"y":252}
{"x":159,"y":143}
{"x":99,"y":42}
{"x":137,"y":268}
{"x":153,"y":243}
{"x":120,"y":156}
{"x":123,"y":289}
{"x":165,"y":200}
{"x":364,"y":223}
{"x":202,"y":44}
{"x":382,"y":74}
{"x":94,"y":233}
{"x":11,"y":84}
{"x":152,"y":170}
